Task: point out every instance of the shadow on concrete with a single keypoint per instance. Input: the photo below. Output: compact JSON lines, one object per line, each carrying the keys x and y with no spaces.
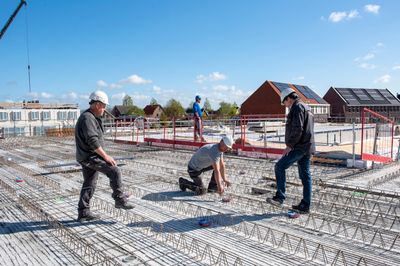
{"x":31,"y":226}
{"x":190,"y":224}
{"x":173,"y":196}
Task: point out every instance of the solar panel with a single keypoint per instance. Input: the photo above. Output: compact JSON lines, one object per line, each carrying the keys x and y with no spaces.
{"x":281,"y":86}
{"x":348,"y":96}
{"x":376,"y":95}
{"x":315,"y":96}
{"x":389,"y":96}
{"x":361,"y":95}
{"x":303,"y":90}
{"x":367,"y":96}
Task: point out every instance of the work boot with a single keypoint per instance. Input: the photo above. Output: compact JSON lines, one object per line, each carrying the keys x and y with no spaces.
{"x":123,"y":204}
{"x":275,"y":201}
{"x":200,"y":191}
{"x":88,"y":217}
{"x":182,"y":184}
{"x":301,"y":208}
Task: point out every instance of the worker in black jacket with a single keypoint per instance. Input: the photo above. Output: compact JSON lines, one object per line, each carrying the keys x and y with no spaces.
{"x":300,"y":145}
{"x":91,"y":155}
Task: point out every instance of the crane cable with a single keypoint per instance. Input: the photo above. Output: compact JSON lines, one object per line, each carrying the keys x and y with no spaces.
{"x":27,"y":48}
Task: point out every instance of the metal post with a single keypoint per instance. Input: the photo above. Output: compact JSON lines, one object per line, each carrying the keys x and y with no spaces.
{"x":354,"y":144}
{"x":265,"y":135}
{"x":362,"y":131}
{"x":174,"y":125}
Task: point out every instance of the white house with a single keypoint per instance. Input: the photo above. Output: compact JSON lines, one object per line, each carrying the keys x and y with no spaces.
{"x":33,"y":118}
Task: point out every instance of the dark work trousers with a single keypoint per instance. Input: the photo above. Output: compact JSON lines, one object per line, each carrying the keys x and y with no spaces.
{"x":197,"y":184}
{"x":90,"y":171}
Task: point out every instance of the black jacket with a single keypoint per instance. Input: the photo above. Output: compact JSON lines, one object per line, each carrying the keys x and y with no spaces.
{"x":88,"y":135}
{"x":299,"y":130}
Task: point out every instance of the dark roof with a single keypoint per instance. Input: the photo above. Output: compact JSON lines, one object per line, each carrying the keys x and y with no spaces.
{"x":362,"y":97}
{"x":122,"y":109}
{"x":304,"y":91}
{"x":149,"y":109}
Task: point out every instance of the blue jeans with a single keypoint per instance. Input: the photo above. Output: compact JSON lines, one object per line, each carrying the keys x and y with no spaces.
{"x":303,"y":164}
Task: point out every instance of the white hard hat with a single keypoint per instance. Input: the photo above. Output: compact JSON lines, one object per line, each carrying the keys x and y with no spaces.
{"x":99,"y":96}
{"x":228,"y":141}
{"x":286,"y":92}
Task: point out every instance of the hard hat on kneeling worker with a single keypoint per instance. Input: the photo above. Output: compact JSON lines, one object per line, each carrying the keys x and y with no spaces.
{"x":228,"y":141}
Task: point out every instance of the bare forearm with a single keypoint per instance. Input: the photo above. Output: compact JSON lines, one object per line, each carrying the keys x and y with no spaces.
{"x":101,"y":152}
{"x":105,"y":156}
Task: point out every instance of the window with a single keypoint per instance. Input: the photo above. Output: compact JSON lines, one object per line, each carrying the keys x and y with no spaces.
{"x":34,"y":115}
{"x":16,"y":116}
{"x":38,"y":131}
{"x":62,"y":115}
{"x":3,"y":116}
{"x":72,"y":115}
{"x":46,"y":115}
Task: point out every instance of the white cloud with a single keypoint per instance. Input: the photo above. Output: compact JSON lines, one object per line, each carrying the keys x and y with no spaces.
{"x":84,"y":96}
{"x":353,"y":14}
{"x":396,"y":67}
{"x":384,"y":79}
{"x":157,"y":89}
{"x":71,"y":95}
{"x":341,"y":15}
{"x":367,"y":66}
{"x":115,"y":86}
{"x":379,"y":44}
{"x":101,"y":84}
{"x":217,"y":76}
{"x":372,"y":8}
{"x":135,"y":79}
{"x":337,"y":16}
{"x":214,"y":76}
{"x":118,"y":96}
{"x":37,"y":95}
{"x":140,"y":97}
{"x":299,"y":78}
{"x":33,"y":94}
{"x":366,"y":57}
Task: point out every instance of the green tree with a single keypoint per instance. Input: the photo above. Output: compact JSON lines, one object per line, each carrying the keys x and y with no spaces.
{"x":135,"y":110}
{"x":189,"y":109}
{"x":127,"y":101}
{"x":207,"y":105}
{"x":227,"y":109}
{"x":174,"y":108}
{"x":153,"y":101}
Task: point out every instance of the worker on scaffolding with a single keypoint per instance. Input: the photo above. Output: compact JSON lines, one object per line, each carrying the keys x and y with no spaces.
{"x":91,"y":155}
{"x":300,"y":145}
{"x":207,"y":158}
{"x":198,"y":120}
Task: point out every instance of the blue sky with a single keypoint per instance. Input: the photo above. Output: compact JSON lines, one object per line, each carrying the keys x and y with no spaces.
{"x":221,"y":49}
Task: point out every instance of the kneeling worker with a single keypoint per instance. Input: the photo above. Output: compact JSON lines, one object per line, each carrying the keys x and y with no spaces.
{"x":207,"y":158}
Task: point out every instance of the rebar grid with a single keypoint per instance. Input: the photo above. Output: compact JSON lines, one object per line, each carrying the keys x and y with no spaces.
{"x":361,"y":215}
{"x":80,"y":246}
{"x":258,"y":231}
{"x":332,"y":201}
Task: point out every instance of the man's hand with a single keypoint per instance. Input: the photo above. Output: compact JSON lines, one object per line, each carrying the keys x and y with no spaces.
{"x":109,"y":160}
{"x":227,"y":183}
{"x":221,"y":188}
{"x":286,"y":151}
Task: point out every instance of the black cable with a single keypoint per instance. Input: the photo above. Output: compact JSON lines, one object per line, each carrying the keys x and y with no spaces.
{"x":27,"y":48}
